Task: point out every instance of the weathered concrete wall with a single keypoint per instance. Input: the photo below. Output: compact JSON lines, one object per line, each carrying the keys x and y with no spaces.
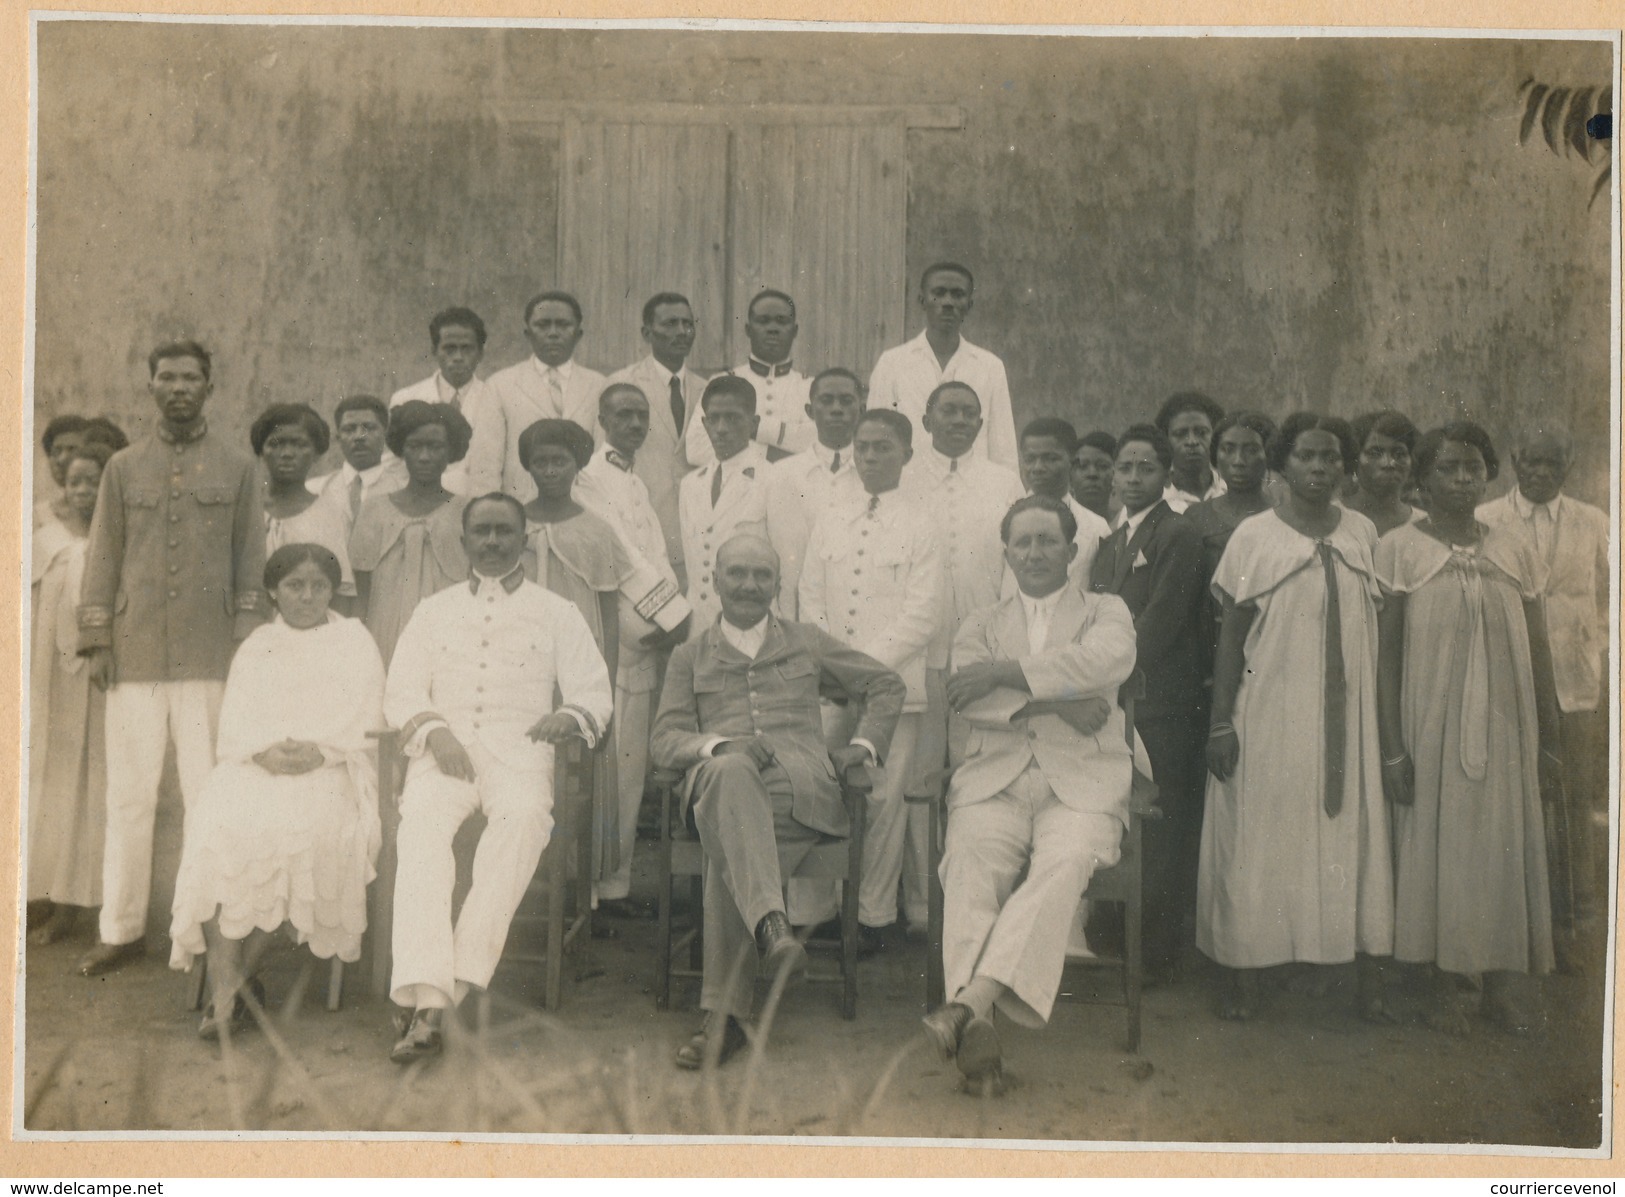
{"x":1283,"y":223}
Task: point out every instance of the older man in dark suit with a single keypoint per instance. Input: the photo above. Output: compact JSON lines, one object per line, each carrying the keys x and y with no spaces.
{"x":740,"y":713}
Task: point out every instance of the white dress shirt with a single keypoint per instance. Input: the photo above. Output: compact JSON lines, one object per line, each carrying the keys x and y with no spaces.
{"x":966,"y":498}
{"x":1571,"y":539}
{"x":798,"y":488}
{"x":873,"y":578}
{"x":1179,"y":500}
{"x":470,"y":399}
{"x":483,"y":657}
{"x":517,"y":397}
{"x":1132,"y":522}
{"x":1040,"y":614}
{"x":385,"y":478}
{"x":906,"y":374}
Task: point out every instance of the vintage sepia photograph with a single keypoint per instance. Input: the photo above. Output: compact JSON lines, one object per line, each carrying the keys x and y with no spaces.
{"x":781,"y":582}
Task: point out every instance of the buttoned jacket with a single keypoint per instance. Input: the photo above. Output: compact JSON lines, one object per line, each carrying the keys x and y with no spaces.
{"x":486,"y":663}
{"x":782,"y":424}
{"x":798,"y":488}
{"x":1575,"y":600}
{"x":664,"y":459}
{"x":175,"y":563}
{"x":906,"y":374}
{"x":712,"y":689}
{"x":1088,"y":653}
{"x":516,"y":397}
{"x":874,"y":581}
{"x":741,"y":507}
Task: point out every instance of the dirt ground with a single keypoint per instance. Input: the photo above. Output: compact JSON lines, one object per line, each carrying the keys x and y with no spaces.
{"x":120,"y":1053}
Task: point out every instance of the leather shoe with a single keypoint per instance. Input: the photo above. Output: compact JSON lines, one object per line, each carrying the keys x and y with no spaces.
{"x":978,"y":1056}
{"x":692,"y":1055}
{"x":945,"y":1026}
{"x":872,"y":940}
{"x":624,"y":908}
{"x":421,"y":1040}
{"x":778,"y":946}
{"x":110,"y":957}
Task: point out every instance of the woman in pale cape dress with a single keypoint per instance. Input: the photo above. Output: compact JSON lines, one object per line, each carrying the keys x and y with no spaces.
{"x":1469,"y":728}
{"x":1295,"y":863}
{"x":286,"y":830}
{"x":67,"y":773}
{"x":579,"y":556}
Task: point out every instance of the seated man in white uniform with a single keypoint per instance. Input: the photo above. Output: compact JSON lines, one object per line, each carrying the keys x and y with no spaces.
{"x":1044,"y":787}
{"x":471,"y":687}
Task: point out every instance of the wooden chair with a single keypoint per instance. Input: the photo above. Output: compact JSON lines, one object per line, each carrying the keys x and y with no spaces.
{"x":1120,"y":884}
{"x":550,"y":889}
{"x":682,"y":855}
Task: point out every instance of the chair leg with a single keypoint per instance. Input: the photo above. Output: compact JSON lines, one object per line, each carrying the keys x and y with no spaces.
{"x":663,"y":902}
{"x":553,"y":993}
{"x":935,"y":982}
{"x":1132,"y":965}
{"x":696,"y":908}
{"x":197,"y":983}
{"x":335,"y":984}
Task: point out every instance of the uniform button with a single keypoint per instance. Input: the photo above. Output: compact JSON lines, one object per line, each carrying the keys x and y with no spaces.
{"x":482,"y":664}
{"x":174,"y":544}
{"x":479,"y":689}
{"x":852,"y":611}
{"x":479,"y":711}
{"x":485,"y":644}
{"x":487,"y":619}
{"x":174,"y":519}
{"x":860,"y":552}
{"x":854,"y":594}
{"x":174,"y":494}
{"x":174,"y":569}
{"x":174,"y":594}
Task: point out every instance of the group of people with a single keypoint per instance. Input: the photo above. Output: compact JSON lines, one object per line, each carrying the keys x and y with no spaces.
{"x":1363,"y":694}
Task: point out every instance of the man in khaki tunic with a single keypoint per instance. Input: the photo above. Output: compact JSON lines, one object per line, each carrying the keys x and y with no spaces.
{"x":173,"y":577}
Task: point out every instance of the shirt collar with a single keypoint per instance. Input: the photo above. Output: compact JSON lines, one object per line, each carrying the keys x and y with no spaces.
{"x":941,"y":464}
{"x":923,"y":346}
{"x":1133,"y":522}
{"x":747,"y":640}
{"x":825,"y":455}
{"x":1046,"y":604}
{"x":479,"y":584}
{"x":665,"y":375}
{"x":612,"y":455}
{"x":761,"y":369}
{"x":747,"y":461}
{"x":564,"y":371}
{"x":368,"y":476}
{"x":167,"y":435}
{"x":1527,"y":510}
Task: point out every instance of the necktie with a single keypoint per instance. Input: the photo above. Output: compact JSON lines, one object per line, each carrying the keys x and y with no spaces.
{"x":1335,"y":697}
{"x":677,"y":406}
{"x":1543,"y":532}
{"x":835,"y":465}
{"x":716,"y":484}
{"x":355,"y":495}
{"x":953,"y":465}
{"x":555,"y":390}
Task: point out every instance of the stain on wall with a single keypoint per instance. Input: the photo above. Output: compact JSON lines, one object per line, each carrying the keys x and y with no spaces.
{"x":1334,"y":224}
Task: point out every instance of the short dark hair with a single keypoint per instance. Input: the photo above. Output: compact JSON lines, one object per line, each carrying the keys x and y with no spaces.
{"x":567,"y":433}
{"x":1300,"y":422}
{"x":615,"y":388}
{"x":945,"y":267}
{"x":415,"y":413}
{"x":290,"y":557}
{"x":457,"y":318}
{"x":839,"y":372}
{"x":1069,"y":522}
{"x":370,"y":403}
{"x":1097,"y":438}
{"x":1252,"y":421}
{"x":189,"y":349}
{"x":495,"y":496}
{"x":563,"y":297}
{"x":895,"y":420}
{"x":1054,"y":428}
{"x":1148,"y":434}
{"x":279,"y":414}
{"x":103,"y":431}
{"x":1185,"y":401}
{"x":943,"y":387}
{"x":1388,"y":422}
{"x":1462,"y":431}
{"x":662,"y":297}
{"x":729,"y":384}
{"x":768,"y":293}
{"x":61,"y":426}
{"x":99,"y":452}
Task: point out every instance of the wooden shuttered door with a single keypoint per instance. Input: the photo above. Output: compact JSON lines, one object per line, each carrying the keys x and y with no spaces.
{"x":720,"y":202}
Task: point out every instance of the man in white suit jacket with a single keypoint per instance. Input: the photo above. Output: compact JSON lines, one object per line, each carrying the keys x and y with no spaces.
{"x":673,"y":391}
{"x":457,"y":336}
{"x":1044,"y":787}
{"x":725,"y":498}
{"x":548,"y":385}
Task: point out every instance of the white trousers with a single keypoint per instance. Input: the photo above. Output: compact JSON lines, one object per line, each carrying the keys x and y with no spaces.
{"x":142,"y":718}
{"x":631,"y":732}
{"x":1018,"y":938}
{"x":432,"y":959}
{"x":890,"y":835}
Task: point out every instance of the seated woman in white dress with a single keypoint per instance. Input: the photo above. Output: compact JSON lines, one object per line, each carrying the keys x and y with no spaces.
{"x":289,"y":438}
{"x":286,"y":830}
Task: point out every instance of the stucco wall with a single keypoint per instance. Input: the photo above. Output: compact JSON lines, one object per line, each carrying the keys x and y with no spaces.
{"x":1282,"y":223}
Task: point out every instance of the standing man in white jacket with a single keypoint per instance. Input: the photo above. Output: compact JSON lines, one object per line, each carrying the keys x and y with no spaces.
{"x":457,"y":336}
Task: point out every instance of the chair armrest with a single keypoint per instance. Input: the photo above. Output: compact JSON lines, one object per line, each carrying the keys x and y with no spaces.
{"x":1142,"y":798}
{"x":664,"y":779}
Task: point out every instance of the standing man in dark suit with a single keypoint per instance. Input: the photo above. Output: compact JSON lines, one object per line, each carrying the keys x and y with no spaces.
{"x":673,"y":446}
{"x":740,"y":713}
{"x":1153,"y":562}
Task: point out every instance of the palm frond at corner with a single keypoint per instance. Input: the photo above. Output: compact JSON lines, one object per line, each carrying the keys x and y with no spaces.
{"x":1565,"y":118}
